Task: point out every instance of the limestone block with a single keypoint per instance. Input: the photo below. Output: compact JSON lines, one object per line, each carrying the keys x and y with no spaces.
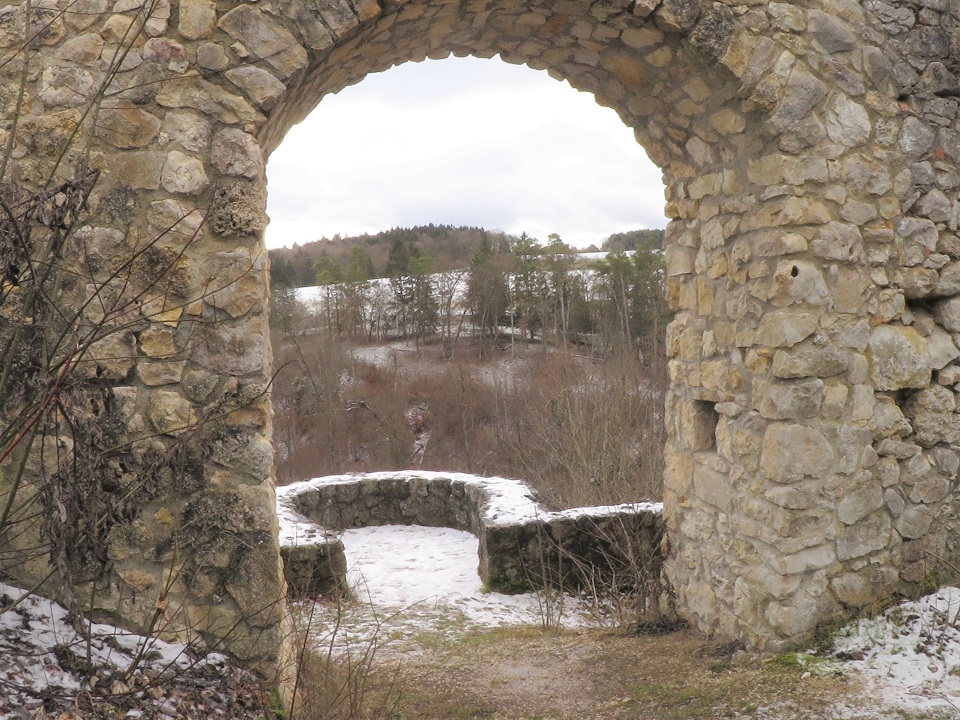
{"x":236,"y":153}
{"x":781,"y":329}
{"x":867,"y":536}
{"x":677,"y":15}
{"x":83,"y":50}
{"x":941,"y":350}
{"x":863,"y":174}
{"x":802,"y":92}
{"x":109,"y":358}
{"x":713,"y":488}
{"x":932,"y":414}
{"x":806,"y":560}
{"x":831,"y":33}
{"x":797,"y":282}
{"x":136,"y":170}
{"x":929,"y":488}
{"x":855,"y":505}
{"x":791,"y":453}
{"x":157,"y":342}
{"x":209,"y":99}
{"x":864,"y":402}
{"x":183,"y":174}
{"x":898,"y":357}
{"x":914,"y":523}
{"x":186,"y":129}
{"x":916,"y":136}
{"x":265,"y":39}
{"x":259,"y":85}
{"x":211,"y":56}
{"x":128,"y":128}
{"x":847,"y":122}
{"x":173,"y":219}
{"x":66,"y":86}
{"x":234,"y":284}
{"x":169,"y":411}
{"x":788,"y":401}
{"x":861,"y":588}
{"x":197,"y":19}
{"x":154,"y":374}
{"x":947,"y":313}
{"x":809,"y":360}
{"x":116,"y":28}
{"x":235,"y":348}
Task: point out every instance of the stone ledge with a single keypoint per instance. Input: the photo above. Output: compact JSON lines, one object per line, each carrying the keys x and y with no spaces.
{"x":523,"y":545}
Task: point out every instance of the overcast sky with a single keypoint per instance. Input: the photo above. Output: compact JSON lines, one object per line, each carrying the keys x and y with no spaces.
{"x":461,"y":141}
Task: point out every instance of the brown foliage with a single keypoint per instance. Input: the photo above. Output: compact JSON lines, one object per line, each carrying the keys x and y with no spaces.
{"x":581,"y":431}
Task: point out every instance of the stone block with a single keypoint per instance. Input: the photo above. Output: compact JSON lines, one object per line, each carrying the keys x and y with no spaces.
{"x":791,"y":453}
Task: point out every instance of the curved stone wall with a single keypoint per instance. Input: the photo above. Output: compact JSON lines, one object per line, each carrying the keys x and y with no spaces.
{"x":522,"y":544}
{"x":809,"y":155}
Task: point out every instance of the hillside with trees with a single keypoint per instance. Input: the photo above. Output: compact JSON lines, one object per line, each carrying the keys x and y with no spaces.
{"x":528,"y":361}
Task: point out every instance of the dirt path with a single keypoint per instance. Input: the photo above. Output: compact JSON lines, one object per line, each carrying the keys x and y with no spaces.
{"x":526,"y":674}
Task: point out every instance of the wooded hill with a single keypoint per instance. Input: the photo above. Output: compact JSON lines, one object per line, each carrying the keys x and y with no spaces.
{"x":448,"y":248}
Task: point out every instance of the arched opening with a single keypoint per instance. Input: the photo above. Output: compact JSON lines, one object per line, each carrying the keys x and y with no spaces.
{"x":685,"y":112}
{"x":533,"y":362}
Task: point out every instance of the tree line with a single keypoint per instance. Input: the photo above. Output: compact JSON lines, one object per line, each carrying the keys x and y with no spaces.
{"x":511,"y":289}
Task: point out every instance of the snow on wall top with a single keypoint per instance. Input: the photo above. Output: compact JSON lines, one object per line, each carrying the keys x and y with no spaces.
{"x":506,"y":502}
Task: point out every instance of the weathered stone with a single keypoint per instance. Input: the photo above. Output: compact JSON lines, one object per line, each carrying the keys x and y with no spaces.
{"x":163,"y":50}
{"x":860,"y":589}
{"x":677,"y":15}
{"x":869,"y":535}
{"x":110,"y":358}
{"x":208,"y":99}
{"x":237,"y":154}
{"x":916,"y":136}
{"x":170,"y":412}
{"x":83,"y":50}
{"x":785,"y":329}
{"x":802,"y":92}
{"x":847,"y":122}
{"x":157,"y":342}
{"x":259,"y":85}
{"x":66,"y":87}
{"x":211,"y":56}
{"x":129,"y":128}
{"x":792,"y":453}
{"x":898,"y":358}
{"x":154,"y":374}
{"x":808,"y":360}
{"x":183,"y":174}
{"x":197,"y":19}
{"x":914,"y":522}
{"x":838,"y":241}
{"x":856,"y":505}
{"x":933,"y":417}
{"x":941,"y":350}
{"x":788,"y":401}
{"x":265,"y":39}
{"x":240,"y":210}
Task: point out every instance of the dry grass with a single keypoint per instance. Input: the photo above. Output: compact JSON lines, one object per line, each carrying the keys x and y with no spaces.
{"x":523,"y":674}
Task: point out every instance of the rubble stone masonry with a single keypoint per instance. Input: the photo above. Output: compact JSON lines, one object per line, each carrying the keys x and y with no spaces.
{"x":809,"y":153}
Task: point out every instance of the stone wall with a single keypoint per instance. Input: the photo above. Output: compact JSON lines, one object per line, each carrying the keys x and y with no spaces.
{"x":809,"y":154}
{"x":522,"y":544}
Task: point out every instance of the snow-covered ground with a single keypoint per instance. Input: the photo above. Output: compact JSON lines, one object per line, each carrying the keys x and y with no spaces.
{"x":411,"y":583}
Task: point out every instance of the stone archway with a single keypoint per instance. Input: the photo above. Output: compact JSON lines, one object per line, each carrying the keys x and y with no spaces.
{"x":809,"y":158}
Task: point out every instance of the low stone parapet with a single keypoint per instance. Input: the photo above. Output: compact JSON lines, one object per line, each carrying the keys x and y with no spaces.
{"x":523,"y":545}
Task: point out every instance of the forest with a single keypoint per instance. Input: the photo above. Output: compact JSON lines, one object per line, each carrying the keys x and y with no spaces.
{"x":507,"y":356}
